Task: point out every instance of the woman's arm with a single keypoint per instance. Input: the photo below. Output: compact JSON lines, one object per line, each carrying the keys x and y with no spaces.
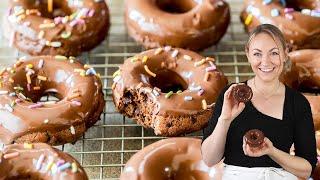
{"x":215,"y":134}
{"x":213,"y":147}
{"x":293,"y":164}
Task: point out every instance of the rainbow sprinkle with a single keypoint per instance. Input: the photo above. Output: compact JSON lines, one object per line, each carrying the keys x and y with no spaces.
{"x":39,"y":162}
{"x":188,"y":98}
{"x":169,"y":94}
{"x":149,"y":72}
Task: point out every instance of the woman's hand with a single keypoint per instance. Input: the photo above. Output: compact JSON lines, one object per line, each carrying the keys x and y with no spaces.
{"x":266,"y":148}
{"x":231,"y":108}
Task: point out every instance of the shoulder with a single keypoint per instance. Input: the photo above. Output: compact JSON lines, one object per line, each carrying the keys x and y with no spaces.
{"x":299,"y":99}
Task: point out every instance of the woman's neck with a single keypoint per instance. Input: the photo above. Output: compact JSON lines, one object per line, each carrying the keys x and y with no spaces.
{"x":264,"y":87}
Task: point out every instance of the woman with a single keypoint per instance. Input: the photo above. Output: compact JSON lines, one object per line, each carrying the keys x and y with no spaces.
{"x":283,"y":114}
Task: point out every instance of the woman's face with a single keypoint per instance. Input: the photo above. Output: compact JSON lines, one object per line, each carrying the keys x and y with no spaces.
{"x":265,"y":57}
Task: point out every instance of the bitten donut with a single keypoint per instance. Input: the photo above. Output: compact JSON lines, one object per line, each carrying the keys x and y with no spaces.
{"x":187,"y":24}
{"x":24,"y":118}
{"x":300,"y":26}
{"x":173,"y":158}
{"x":242,"y":93}
{"x":56,"y":27}
{"x":168,"y":89}
{"x":304,"y":75}
{"x":38,"y":161}
{"x":254,"y":138}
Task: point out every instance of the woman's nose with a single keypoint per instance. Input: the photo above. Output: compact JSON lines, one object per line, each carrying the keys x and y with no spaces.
{"x":265,"y":60}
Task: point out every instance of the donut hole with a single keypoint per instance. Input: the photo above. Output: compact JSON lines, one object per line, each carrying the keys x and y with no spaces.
{"x":253,"y":137}
{"x":51,"y":96}
{"x":168,"y":80}
{"x":176,"y":6}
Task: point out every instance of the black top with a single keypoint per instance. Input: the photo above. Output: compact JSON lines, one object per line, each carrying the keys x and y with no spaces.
{"x":295,"y":127}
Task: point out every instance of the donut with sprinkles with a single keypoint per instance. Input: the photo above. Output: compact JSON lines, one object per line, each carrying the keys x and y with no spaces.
{"x":56,"y":27}
{"x":171,"y":90}
{"x":299,"y":21}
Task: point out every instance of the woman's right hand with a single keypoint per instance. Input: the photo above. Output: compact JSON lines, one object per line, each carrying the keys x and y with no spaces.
{"x":230,"y":108}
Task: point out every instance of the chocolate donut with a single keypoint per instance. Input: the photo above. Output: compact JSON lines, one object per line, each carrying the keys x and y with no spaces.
{"x":300,"y":27}
{"x":56,"y":27}
{"x":24,"y":117}
{"x":186,"y":24}
{"x":38,"y":161}
{"x":169,"y":90}
{"x":254,"y":138}
{"x":304,"y":75}
{"x":173,"y":158}
{"x":242,"y":93}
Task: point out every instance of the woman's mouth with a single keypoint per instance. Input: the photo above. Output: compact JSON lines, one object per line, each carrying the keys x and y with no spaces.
{"x":266,"y":70}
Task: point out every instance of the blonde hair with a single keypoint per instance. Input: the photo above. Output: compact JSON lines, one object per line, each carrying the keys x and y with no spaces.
{"x":271,"y":30}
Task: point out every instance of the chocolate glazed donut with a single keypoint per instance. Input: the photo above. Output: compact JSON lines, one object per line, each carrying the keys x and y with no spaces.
{"x":186,"y":24}
{"x":254,"y":138}
{"x":24,"y":118}
{"x":38,"y":161}
{"x":169,"y":90}
{"x":173,"y":158}
{"x":242,"y":93}
{"x":43,"y":28}
{"x":304,"y":75}
{"x":301,"y":27}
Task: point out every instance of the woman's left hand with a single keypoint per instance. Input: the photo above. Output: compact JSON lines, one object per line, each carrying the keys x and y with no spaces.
{"x":266,"y":148}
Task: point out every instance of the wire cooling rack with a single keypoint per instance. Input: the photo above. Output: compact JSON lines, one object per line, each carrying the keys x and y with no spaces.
{"x":108,"y":145}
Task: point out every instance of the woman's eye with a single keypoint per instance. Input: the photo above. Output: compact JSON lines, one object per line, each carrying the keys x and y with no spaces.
{"x":257,"y":54}
{"x":275,"y":53}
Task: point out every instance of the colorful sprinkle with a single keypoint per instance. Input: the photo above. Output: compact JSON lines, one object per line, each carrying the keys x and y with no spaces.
{"x":248,"y":19}
{"x":275,"y":12}
{"x":65,"y":34}
{"x":39,"y":162}
{"x":46,"y":121}
{"x":200,"y":92}
{"x":29,"y":66}
{"x":64,"y":166}
{"x":144,"y":59}
{"x":49,"y":102}
{"x":211,"y":68}
{"x":12,"y":94}
{"x":40,"y":64}
{"x":204,"y":104}
{"x":289,"y":16}
{"x":11,"y":155}
{"x":167,"y":96}
{"x":42,"y":78}
{"x":210,"y":59}
{"x":76,"y":103}
{"x":74,"y":167}
{"x":28,"y":146}
{"x":179,"y":92}
{"x":149,"y":72}
{"x":174,"y":53}
{"x":158,"y":51}
{"x":50,"y":163}
{"x":60,"y":57}
{"x":187,"y":57}
{"x":91,"y":12}
{"x":28,"y":78}
{"x":41,"y":34}
{"x":167,"y":48}
{"x":60,"y":162}
{"x":288,"y":10}
{"x":34,"y":106}
{"x":134,"y":59}
{"x":47,"y":25}
{"x":55,"y":44}
{"x":199,"y":63}
{"x":188,"y":98}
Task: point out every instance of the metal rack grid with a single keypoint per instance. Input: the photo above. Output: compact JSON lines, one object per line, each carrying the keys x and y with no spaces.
{"x":108,"y":145}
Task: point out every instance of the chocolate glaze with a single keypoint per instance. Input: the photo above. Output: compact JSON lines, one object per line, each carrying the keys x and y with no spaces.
{"x":199,"y":25}
{"x":92,"y":29}
{"x":302,"y":32}
{"x":242,"y":93}
{"x":24,"y":165}
{"x":134,"y":78}
{"x":304,"y":73}
{"x":254,"y":138}
{"x":173,"y":158}
{"x":61,"y":78}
